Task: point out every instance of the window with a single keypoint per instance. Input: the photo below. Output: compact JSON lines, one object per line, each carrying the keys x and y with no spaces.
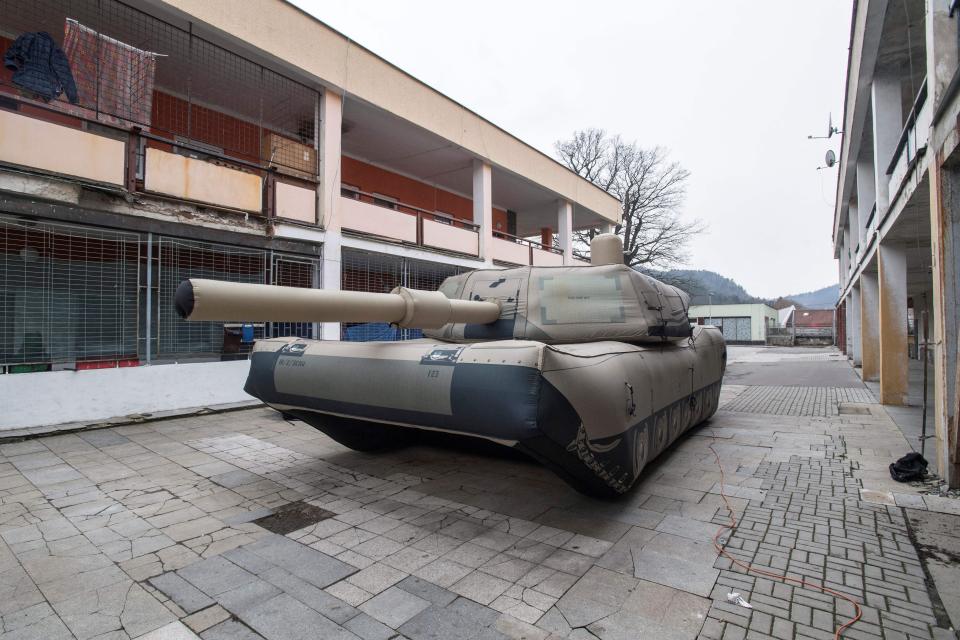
{"x":384,"y":201}
{"x":181,"y":259}
{"x":381,"y":273}
{"x":443,"y":218}
{"x":67,"y":293}
{"x":350,"y":191}
{"x":77,"y":295}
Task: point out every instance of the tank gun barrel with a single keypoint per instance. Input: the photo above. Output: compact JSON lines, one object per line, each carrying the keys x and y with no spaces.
{"x":199,"y":299}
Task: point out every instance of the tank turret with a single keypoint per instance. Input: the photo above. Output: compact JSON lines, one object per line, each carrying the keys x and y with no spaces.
{"x":604,"y":301}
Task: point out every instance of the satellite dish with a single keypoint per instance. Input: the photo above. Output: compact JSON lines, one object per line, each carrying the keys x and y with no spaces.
{"x":830,"y":130}
{"x":831,"y":158}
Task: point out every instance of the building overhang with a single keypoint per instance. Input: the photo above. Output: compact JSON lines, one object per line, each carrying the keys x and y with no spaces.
{"x":880,"y":43}
{"x":294,"y":39}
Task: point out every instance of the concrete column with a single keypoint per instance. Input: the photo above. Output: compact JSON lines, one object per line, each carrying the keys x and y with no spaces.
{"x":565,"y":229}
{"x":870,"y":325}
{"x":945,"y":251}
{"x":944,"y":302}
{"x":840,"y":326}
{"x":866,"y":199}
{"x":546,"y":236}
{"x":887,"y":123}
{"x":331,"y":120}
{"x":855,"y":230}
{"x":483,"y":205}
{"x":894,"y":363}
{"x":854,"y":326}
{"x":845,"y":258}
{"x":941,"y":36}
{"x":608,"y":227}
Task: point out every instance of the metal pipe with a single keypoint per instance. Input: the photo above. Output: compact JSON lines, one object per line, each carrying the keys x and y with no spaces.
{"x":149,"y":301}
{"x":923,"y":421}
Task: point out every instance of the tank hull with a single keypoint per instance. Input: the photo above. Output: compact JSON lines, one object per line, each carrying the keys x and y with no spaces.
{"x":595,"y":413}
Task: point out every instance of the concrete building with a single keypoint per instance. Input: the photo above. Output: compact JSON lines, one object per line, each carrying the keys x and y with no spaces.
{"x":243,"y":141}
{"x":895,"y":228}
{"x":740,"y":323}
{"x":810,"y":327}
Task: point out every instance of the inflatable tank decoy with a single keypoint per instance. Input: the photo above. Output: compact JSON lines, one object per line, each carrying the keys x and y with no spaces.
{"x":592,"y":370}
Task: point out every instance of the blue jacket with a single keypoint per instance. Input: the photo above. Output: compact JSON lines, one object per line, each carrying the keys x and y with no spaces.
{"x":40,"y":66}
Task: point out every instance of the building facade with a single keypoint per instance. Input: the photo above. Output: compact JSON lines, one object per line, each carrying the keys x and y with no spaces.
{"x":740,"y":323}
{"x":895,"y":229}
{"x":143,"y":142}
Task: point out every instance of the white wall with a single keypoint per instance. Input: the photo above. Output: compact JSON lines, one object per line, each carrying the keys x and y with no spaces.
{"x":758,"y":313}
{"x":57,"y":397}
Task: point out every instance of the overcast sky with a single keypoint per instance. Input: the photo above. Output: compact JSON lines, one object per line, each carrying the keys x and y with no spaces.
{"x":732,"y":88}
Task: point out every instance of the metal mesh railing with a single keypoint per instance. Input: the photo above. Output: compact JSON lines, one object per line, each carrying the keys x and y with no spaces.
{"x":381,"y":273}
{"x":67,"y":293}
{"x":115,"y":64}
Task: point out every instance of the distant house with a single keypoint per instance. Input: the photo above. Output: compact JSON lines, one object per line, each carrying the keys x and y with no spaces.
{"x":740,"y":323}
{"x":784,"y":314}
{"x":811,"y":319}
{"x":810,"y":326}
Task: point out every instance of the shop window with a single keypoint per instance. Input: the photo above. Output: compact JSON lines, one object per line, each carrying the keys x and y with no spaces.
{"x":68,"y":294}
{"x":381,"y":273}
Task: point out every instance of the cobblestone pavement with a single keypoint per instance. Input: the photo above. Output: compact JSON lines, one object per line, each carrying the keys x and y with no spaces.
{"x":161,"y":530}
{"x":797,"y":401}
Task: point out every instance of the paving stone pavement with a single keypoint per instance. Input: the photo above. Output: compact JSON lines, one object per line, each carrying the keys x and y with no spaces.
{"x":147,"y":531}
{"x":798,"y":401}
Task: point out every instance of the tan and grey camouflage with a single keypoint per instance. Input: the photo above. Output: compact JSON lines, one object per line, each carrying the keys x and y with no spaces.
{"x":591,"y":370}
{"x":569,"y":304}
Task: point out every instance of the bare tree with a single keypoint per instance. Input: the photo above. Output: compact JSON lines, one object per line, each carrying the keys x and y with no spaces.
{"x":650,"y":187}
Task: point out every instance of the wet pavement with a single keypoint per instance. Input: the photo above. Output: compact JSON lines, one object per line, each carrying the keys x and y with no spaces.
{"x":244,"y":525}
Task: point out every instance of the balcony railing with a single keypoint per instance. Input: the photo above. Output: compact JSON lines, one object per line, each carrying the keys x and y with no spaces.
{"x":37,"y":138}
{"x":375,"y":215}
{"x":912,"y":142}
{"x":510,"y":249}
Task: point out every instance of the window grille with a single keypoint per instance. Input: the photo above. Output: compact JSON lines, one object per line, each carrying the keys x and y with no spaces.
{"x":67,"y":293}
{"x":76,"y":294}
{"x":183,"y":259}
{"x":294,"y":272}
{"x":132,"y":69}
{"x":381,"y":273}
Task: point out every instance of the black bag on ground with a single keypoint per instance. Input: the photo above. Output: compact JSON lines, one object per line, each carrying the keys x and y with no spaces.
{"x":912,"y":466}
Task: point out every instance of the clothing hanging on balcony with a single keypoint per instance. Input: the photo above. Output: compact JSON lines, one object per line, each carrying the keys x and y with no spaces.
{"x":113,"y":77}
{"x":40,"y":67}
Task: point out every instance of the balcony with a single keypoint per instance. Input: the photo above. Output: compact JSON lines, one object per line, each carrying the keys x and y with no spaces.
{"x":371,"y":214}
{"x":150,"y":107}
{"x":512,"y":250}
{"x":912,"y":143}
{"x":375,"y":215}
{"x":406,"y":184}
